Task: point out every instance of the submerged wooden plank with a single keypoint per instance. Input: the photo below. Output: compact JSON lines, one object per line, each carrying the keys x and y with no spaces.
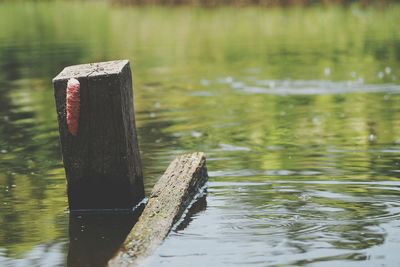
{"x":169,"y":199}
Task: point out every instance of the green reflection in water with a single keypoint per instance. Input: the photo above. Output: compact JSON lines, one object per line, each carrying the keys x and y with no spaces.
{"x":297,"y":110}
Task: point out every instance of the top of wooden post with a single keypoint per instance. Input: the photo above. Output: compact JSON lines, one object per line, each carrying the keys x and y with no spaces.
{"x":92,"y":69}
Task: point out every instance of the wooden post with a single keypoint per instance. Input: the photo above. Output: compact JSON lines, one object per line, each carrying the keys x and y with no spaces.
{"x":168,"y":200}
{"x":101,"y":160}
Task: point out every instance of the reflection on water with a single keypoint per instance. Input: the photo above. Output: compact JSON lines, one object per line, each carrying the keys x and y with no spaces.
{"x":309,"y":87}
{"x":300,"y":122}
{"x":196,"y":207}
{"x":95,"y":238}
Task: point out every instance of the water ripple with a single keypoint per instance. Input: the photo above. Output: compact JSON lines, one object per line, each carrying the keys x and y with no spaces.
{"x":310,"y":87}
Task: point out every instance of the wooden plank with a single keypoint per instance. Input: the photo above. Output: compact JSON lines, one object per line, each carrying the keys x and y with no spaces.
{"x":169,"y":198}
{"x":101,"y":159}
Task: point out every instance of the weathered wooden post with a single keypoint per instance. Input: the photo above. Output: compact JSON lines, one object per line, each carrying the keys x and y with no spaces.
{"x":99,"y":144}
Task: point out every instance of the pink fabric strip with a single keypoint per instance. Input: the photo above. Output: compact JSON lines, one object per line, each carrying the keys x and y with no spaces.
{"x":73,"y":101}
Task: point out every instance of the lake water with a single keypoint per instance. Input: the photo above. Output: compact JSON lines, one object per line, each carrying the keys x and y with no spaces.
{"x":297,"y":110}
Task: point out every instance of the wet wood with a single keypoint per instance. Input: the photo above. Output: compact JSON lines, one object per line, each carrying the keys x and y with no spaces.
{"x":169,"y":198}
{"x":102,"y":161}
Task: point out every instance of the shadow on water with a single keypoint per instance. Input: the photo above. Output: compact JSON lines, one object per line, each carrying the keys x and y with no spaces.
{"x":94,"y":238}
{"x":198,"y":206}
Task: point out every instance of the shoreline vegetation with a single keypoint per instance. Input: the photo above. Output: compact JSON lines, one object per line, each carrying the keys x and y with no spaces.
{"x":218,"y":3}
{"x":266,"y":3}
{"x":193,"y":34}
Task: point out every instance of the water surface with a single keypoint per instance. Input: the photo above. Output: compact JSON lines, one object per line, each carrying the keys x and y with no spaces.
{"x":297,"y":109}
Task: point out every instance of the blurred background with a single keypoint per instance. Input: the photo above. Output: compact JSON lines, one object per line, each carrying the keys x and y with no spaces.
{"x":296,"y":104}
